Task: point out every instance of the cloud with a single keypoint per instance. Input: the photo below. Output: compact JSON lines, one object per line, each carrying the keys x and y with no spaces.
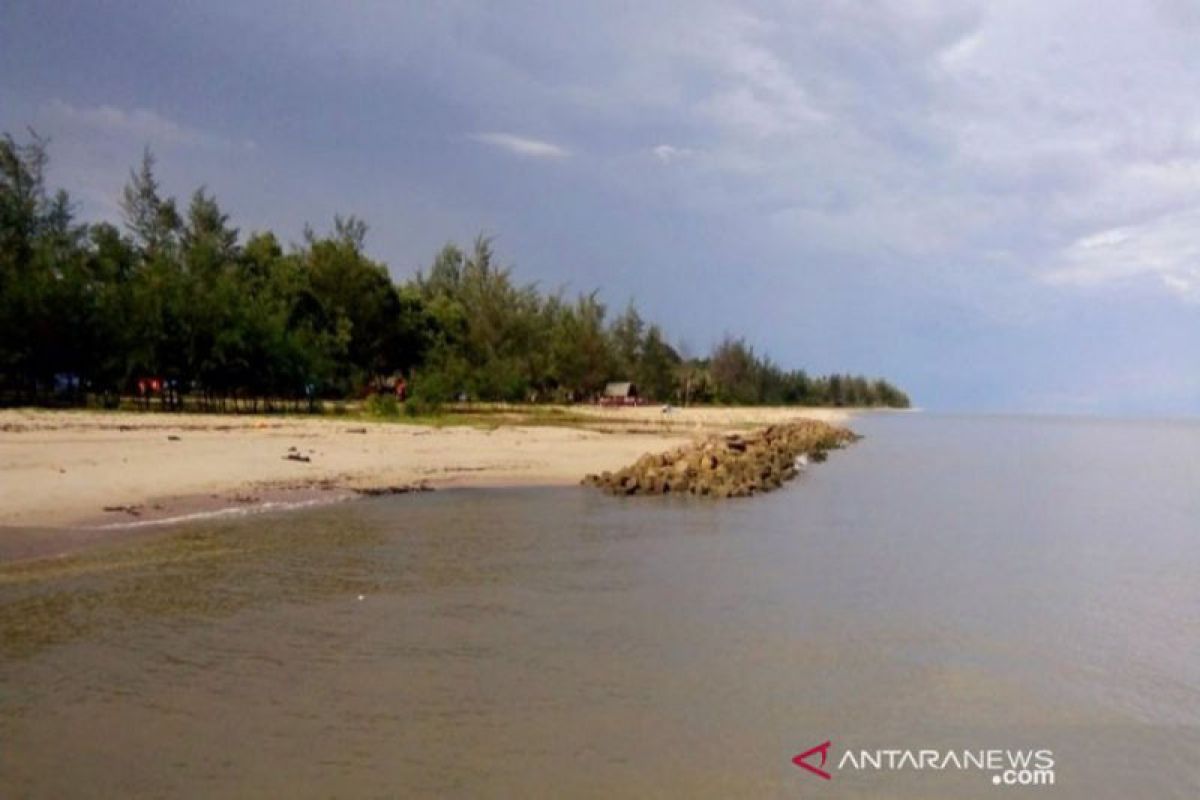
{"x":668,"y":153}
{"x":92,"y":149}
{"x":756,"y":92}
{"x":922,"y":135}
{"x":139,"y":124}
{"x":939,"y":140}
{"x":960,"y":52}
{"x":522,"y":145}
{"x":934,"y":172}
{"x":1166,"y":250}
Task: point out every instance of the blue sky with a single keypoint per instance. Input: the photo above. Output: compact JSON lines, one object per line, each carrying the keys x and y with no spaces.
{"x":997,"y":205}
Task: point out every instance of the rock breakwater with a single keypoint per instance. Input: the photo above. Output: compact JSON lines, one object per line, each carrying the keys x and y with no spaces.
{"x":728,"y":465}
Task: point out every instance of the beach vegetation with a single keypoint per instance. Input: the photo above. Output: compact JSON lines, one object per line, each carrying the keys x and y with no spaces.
{"x":177,"y":308}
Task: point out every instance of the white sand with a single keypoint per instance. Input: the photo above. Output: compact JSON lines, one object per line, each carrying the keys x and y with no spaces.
{"x":60,"y":468}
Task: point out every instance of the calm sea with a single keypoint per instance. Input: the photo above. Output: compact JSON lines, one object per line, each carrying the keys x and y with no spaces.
{"x":947,"y":584}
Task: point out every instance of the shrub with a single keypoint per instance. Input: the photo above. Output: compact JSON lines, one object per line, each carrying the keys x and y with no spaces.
{"x":420,"y":407}
{"x":382,"y":405}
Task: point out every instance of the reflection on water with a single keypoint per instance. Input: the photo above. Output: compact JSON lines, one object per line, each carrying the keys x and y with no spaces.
{"x":946,"y":583}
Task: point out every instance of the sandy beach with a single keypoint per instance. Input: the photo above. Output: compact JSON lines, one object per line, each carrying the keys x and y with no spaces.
{"x":61,"y":469}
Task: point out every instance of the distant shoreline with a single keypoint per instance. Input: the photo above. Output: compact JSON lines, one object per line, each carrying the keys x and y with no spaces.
{"x":62,"y":469}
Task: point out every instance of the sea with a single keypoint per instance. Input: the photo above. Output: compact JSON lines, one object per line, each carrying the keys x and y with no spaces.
{"x":954,"y":606}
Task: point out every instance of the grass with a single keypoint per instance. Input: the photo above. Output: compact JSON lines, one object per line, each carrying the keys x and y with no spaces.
{"x":487,"y":416}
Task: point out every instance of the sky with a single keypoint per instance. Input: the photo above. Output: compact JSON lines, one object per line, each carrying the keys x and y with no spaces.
{"x":996,"y":205}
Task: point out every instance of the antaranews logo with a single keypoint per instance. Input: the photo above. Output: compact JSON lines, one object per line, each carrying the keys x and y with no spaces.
{"x":802,"y":760}
{"x":1021,"y":767}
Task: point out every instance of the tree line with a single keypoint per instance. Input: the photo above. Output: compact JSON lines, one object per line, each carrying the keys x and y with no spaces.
{"x":90,"y":312}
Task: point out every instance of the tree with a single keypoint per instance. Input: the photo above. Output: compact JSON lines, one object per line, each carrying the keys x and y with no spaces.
{"x":206,"y":236}
{"x":626,"y":333}
{"x":45,"y":304}
{"x":152,"y":220}
{"x":581,"y":358}
{"x":88,"y":310}
{"x":657,"y":367}
{"x":733,"y":368}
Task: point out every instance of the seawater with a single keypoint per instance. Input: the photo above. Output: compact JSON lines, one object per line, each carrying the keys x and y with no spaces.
{"x":946,"y":583}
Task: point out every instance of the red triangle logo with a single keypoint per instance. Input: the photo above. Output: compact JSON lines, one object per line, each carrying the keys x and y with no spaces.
{"x":823,"y":749}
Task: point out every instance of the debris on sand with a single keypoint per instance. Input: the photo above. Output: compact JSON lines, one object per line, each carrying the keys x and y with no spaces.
{"x":407,"y":488}
{"x":133,"y":511}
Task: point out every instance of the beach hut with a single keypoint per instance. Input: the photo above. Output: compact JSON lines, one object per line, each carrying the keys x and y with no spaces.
{"x":620,"y":393}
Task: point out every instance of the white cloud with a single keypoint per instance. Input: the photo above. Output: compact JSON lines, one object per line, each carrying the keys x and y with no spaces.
{"x":1165,"y":249}
{"x":756,"y":92}
{"x":140,"y":124}
{"x":668,"y":153}
{"x":92,"y":149}
{"x":522,"y":145}
{"x":959,"y":53}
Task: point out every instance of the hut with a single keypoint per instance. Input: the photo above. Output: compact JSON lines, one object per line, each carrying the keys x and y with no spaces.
{"x":620,"y":393}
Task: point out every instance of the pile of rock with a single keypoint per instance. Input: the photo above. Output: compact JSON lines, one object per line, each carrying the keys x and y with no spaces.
{"x":728,"y":465}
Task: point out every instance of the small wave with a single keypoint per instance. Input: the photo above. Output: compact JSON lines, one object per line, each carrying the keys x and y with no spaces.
{"x":228,"y":511}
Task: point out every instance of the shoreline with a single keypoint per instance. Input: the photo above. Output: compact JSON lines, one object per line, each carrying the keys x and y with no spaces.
{"x":106,"y":472}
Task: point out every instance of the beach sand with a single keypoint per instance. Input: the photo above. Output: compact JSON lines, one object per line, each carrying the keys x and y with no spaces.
{"x":61,"y":469}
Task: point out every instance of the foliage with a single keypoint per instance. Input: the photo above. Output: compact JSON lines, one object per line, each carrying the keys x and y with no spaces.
{"x":382,"y":405}
{"x":224,"y":321}
{"x":416,"y":407}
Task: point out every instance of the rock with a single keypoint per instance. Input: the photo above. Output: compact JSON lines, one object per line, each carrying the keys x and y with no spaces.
{"x":733,"y":465}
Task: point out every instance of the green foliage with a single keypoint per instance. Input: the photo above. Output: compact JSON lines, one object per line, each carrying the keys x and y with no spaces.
{"x":382,"y":405}
{"x":226,"y":323}
{"x":738,"y":376}
{"x":152,"y":220}
{"x":418,"y":407}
